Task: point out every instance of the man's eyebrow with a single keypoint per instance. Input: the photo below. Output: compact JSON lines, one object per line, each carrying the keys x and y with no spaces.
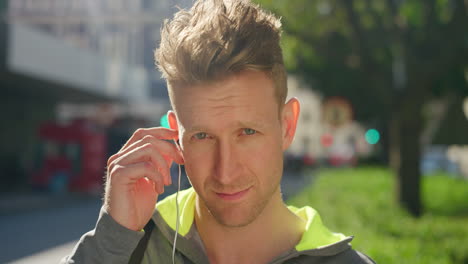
{"x":195,"y":128}
{"x":241,"y":124}
{"x":251,"y":124}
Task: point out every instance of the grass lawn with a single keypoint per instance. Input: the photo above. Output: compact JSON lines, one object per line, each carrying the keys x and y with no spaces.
{"x":361,"y":202}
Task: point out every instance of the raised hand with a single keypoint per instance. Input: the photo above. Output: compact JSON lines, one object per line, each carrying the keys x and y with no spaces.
{"x":137,"y":174}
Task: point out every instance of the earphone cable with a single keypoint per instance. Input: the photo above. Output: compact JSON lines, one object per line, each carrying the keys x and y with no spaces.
{"x":177,"y":211}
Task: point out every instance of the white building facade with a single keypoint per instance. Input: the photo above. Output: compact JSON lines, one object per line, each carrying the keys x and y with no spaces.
{"x":319,"y":138}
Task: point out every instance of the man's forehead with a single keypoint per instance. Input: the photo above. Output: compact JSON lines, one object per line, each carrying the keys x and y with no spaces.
{"x":245,"y":99}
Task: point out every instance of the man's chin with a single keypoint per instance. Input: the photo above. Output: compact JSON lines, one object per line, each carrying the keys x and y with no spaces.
{"x":235,"y":216}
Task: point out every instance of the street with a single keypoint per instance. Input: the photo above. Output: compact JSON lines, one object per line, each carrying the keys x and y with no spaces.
{"x":45,"y":236}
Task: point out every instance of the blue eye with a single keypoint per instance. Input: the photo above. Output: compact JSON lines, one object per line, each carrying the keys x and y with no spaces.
{"x":200,"y":136}
{"x":249,"y":131}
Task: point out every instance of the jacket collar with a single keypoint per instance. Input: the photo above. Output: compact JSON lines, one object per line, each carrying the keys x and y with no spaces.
{"x":317,"y":239}
{"x":316,"y":234}
{"x":167,"y":210}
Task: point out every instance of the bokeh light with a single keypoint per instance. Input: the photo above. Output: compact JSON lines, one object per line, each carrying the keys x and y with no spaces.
{"x":372,"y":136}
{"x":164,"y":122}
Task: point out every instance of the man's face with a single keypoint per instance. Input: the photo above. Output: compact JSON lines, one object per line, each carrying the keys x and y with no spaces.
{"x":231,"y":134}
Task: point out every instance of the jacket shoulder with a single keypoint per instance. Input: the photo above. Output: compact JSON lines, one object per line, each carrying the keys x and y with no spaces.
{"x":364,"y":258}
{"x":349,"y":256}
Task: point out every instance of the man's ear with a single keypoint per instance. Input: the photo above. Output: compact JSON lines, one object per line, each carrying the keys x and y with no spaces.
{"x":289,"y":117}
{"x":171,"y":117}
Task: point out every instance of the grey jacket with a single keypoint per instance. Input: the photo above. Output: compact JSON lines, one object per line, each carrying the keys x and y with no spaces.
{"x":110,"y":242}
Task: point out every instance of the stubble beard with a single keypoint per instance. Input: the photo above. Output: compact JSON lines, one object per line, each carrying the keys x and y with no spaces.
{"x":250,"y":211}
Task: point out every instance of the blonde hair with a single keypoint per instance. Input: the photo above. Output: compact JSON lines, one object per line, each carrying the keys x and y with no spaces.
{"x":215,"y":39}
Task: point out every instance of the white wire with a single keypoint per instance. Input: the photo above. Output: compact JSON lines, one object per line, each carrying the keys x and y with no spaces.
{"x":177,"y":211}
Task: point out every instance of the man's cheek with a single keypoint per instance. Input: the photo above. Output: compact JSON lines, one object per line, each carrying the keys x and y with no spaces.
{"x":196,"y":165}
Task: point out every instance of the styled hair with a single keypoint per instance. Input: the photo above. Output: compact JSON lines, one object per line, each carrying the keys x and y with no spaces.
{"x":215,"y":39}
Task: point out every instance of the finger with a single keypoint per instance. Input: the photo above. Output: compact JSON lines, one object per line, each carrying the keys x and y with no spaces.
{"x":132,"y":172}
{"x":146,"y":152}
{"x":166,"y":148}
{"x":157,"y":132}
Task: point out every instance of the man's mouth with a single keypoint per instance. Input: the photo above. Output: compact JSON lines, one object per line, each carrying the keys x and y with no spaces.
{"x":234,"y":196}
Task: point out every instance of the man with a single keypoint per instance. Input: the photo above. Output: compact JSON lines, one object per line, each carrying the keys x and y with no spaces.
{"x":227,"y":86}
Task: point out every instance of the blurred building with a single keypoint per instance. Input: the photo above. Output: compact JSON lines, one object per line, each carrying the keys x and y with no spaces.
{"x":326,"y":132}
{"x":77,"y":54}
{"x":309,"y":127}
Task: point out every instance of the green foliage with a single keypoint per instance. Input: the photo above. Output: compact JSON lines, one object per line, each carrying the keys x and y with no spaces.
{"x":413,"y":12}
{"x":361,"y":202}
{"x":350,"y":48}
{"x":444,"y":12}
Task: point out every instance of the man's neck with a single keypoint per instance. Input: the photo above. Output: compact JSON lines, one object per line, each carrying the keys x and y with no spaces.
{"x":275,"y":231}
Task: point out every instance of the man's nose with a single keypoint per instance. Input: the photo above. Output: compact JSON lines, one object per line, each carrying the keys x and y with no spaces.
{"x":227,"y":163}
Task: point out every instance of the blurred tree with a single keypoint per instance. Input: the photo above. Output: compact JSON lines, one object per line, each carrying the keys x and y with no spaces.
{"x":388,"y":57}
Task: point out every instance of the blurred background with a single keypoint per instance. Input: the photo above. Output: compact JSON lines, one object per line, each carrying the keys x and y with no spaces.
{"x":381,"y":149}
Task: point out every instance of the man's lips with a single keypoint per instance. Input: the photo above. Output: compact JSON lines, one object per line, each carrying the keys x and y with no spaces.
{"x":233,"y":196}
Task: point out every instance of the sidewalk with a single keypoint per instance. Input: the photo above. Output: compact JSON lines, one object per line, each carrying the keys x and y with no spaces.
{"x":21,"y":202}
{"x":40,"y":226}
